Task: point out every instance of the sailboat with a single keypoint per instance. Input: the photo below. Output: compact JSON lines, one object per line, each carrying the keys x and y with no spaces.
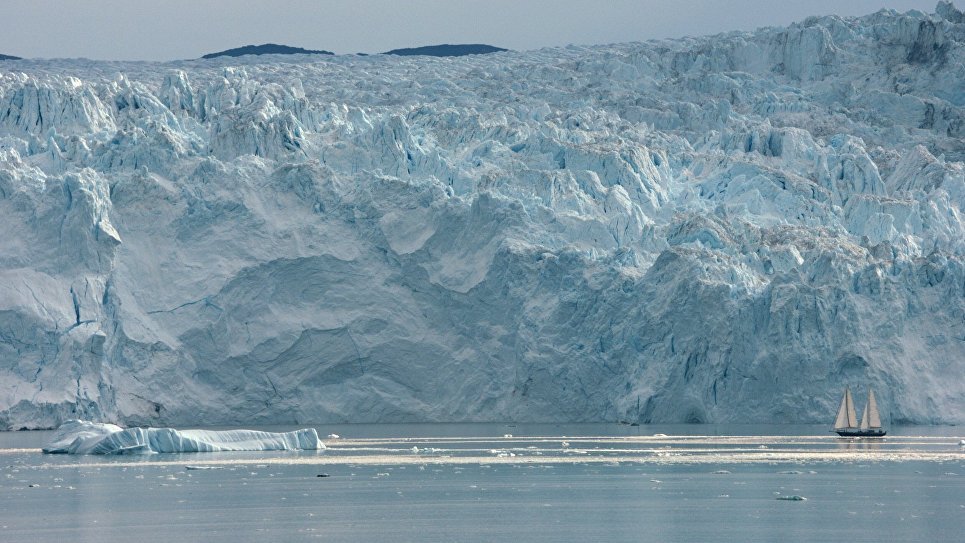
{"x":846,"y":425}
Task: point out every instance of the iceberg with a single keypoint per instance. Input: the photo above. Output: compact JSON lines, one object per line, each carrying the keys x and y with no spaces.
{"x":85,"y":437}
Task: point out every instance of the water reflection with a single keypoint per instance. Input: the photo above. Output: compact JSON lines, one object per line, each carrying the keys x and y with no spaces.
{"x":859,"y":444}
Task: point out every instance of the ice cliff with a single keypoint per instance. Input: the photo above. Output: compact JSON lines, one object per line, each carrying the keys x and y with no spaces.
{"x":719,"y":229}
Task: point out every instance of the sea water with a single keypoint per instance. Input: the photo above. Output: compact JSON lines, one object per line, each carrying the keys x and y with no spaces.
{"x":469,"y":482}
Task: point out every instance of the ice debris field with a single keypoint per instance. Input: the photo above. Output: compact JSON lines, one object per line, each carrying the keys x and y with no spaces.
{"x":715,"y":229}
{"x":78,"y":437}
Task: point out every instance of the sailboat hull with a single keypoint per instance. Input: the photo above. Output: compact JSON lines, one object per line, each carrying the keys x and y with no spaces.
{"x":857,"y":432}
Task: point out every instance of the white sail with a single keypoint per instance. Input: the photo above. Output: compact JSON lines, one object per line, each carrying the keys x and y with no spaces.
{"x":852,"y":419}
{"x":846,"y":417}
{"x":846,"y":424}
{"x":842,"y":420}
{"x":871,"y":411}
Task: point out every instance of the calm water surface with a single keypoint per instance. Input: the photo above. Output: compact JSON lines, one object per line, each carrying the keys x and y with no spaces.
{"x":473,"y":482}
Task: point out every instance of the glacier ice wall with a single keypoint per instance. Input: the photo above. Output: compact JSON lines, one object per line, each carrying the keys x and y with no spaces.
{"x":717,"y":229}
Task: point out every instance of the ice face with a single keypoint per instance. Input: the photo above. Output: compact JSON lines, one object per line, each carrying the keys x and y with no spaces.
{"x":719,"y":229}
{"x":85,"y":437}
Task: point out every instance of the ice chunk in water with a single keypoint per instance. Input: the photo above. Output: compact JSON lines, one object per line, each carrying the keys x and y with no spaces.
{"x":85,"y":437}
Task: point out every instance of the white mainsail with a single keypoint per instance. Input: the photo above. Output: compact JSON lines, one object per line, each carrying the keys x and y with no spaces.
{"x":871,"y":411}
{"x":864,"y":418}
{"x":852,"y":419}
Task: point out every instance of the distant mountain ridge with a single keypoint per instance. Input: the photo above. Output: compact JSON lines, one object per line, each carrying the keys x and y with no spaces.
{"x":266,"y":49}
{"x":9,"y":57}
{"x":447,"y":50}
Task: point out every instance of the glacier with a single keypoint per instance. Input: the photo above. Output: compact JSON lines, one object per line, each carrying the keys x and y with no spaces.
{"x":709,"y":229}
{"x":86,"y":437}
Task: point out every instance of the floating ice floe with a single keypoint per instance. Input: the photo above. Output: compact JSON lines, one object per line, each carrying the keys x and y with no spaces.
{"x":85,"y":437}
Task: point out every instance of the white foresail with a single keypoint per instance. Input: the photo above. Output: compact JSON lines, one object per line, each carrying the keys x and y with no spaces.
{"x":864,"y":418}
{"x":843,"y":421}
{"x":871,"y":411}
